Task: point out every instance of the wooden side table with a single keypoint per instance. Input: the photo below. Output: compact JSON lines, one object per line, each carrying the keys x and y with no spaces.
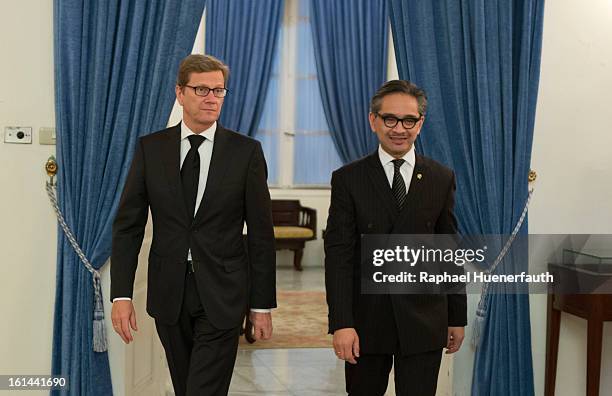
{"x":595,"y":308}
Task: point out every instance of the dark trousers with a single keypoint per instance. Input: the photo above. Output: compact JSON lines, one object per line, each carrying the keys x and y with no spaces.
{"x":415,"y":375}
{"x":200,"y":357}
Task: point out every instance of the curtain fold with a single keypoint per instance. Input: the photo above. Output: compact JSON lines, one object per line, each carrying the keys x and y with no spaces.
{"x":350,"y":41}
{"x":479,"y":62}
{"x":244,"y":35}
{"x":115,"y":68}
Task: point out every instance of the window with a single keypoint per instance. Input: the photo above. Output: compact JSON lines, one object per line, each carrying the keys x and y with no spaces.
{"x":293,"y":129}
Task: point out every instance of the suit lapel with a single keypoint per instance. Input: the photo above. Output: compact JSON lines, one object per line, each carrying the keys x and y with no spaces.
{"x":381,"y":184}
{"x":171,"y":158}
{"x":218,"y":165}
{"x":416,"y":189}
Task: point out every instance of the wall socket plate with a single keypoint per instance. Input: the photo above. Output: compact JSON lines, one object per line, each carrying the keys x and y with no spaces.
{"x":19,"y":135}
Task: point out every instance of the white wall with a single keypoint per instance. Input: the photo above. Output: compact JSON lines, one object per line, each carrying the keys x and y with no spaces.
{"x":27,"y":223}
{"x":571,"y":154}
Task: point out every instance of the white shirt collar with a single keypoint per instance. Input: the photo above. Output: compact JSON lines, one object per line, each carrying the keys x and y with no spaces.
{"x":208,"y":134}
{"x":385,"y":157}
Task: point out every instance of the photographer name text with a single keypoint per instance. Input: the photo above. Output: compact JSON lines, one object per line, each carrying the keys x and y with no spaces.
{"x":467,"y":277}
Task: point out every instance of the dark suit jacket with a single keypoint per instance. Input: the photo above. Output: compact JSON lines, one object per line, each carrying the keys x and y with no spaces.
{"x":362,"y":203}
{"x":236,"y":191}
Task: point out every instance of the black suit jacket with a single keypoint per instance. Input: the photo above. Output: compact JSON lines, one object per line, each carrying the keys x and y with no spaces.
{"x":362,"y":203}
{"x":236,"y":191}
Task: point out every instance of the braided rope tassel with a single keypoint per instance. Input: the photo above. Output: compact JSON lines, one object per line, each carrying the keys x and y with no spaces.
{"x":481,"y":311}
{"x":99,"y":329}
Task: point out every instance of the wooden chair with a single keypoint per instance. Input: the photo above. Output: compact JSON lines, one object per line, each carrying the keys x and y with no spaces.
{"x":294,"y":225}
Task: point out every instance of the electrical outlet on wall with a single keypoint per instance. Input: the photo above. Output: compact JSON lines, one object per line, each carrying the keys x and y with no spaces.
{"x":19,"y":135}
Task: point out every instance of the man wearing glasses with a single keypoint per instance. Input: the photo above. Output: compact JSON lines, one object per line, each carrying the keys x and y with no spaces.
{"x":392,"y":191}
{"x":201,"y":182}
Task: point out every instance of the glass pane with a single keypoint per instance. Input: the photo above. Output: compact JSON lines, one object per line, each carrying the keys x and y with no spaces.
{"x":315,"y":156}
{"x":268,"y":129}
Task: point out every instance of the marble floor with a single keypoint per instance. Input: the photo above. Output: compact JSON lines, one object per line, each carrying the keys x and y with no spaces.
{"x":291,"y":372}
{"x":309,"y":279}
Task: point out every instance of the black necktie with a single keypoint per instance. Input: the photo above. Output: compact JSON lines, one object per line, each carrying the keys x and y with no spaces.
{"x":190,"y":173}
{"x":399,"y":186}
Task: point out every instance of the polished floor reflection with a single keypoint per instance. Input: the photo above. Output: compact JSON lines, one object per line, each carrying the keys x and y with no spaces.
{"x":309,"y":279}
{"x":287,"y":372}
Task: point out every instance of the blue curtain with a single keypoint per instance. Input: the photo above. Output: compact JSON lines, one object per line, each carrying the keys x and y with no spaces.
{"x":479,"y":62}
{"x":350,"y":41}
{"x":244,"y":35}
{"x":115,"y":70}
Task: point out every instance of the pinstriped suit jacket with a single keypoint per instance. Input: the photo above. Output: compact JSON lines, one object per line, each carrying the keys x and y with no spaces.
{"x":362,"y":203}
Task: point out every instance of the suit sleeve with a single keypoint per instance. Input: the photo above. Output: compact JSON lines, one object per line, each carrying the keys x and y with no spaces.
{"x":129,"y":228}
{"x":447,"y":224}
{"x":262,"y":254}
{"x":340,"y":240}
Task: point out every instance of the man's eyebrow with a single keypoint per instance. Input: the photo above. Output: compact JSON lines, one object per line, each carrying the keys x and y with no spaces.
{"x":398,"y":116}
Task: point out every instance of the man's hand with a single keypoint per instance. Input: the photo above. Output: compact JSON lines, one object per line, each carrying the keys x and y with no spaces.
{"x":346,"y":344}
{"x":124,"y":316}
{"x":454,"y":339}
{"x":262,"y":325}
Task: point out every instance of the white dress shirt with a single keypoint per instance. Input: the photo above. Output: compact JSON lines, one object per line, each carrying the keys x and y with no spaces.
{"x":406,"y":169}
{"x":205,"y":151}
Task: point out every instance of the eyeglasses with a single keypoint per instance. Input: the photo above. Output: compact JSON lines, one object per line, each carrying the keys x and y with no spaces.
{"x":391,"y":121}
{"x":203,"y":91}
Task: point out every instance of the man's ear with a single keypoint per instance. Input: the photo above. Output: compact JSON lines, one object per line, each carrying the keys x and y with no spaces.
{"x":421,"y":122}
{"x":178,"y":90}
{"x":372,"y":118}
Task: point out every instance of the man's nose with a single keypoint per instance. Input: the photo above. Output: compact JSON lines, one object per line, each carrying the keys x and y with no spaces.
{"x":399,"y":127}
{"x":210,"y":98}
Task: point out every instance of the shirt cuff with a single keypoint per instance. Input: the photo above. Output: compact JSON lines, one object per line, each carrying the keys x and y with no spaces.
{"x":121,"y":299}
{"x":261,"y":310}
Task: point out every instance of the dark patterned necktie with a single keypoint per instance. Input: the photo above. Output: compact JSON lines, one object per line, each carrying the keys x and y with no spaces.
{"x":399,"y":186}
{"x":190,"y":173}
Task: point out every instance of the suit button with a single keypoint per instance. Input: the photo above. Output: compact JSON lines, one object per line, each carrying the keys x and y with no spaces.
{"x":370,"y":225}
{"x":195,"y":230}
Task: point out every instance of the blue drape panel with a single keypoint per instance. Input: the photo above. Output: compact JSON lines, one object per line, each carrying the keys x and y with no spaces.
{"x":244,"y":35}
{"x":350,"y":41}
{"x":115,"y":69}
{"x":479,"y":62}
